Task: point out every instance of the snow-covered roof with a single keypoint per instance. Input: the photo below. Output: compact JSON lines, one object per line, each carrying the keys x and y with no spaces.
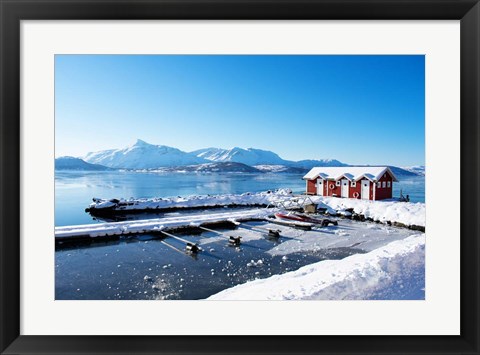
{"x":353,"y":173}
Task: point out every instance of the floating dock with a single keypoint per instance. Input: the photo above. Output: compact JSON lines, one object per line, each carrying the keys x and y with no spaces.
{"x":114,"y":230}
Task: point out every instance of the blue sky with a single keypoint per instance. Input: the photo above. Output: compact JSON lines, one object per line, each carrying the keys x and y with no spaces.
{"x":357,"y":109}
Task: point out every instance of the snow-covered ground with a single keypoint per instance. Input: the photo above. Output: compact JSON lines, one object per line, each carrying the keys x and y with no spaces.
{"x":383,"y":211}
{"x":392,"y":268}
{"x":348,"y":234}
{"x":408,"y":213}
{"x":393,"y":271}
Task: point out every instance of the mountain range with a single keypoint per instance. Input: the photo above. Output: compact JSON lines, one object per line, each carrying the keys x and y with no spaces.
{"x":417,"y":169}
{"x":143,"y":155}
{"x":71,"y":163}
{"x":146,"y":156}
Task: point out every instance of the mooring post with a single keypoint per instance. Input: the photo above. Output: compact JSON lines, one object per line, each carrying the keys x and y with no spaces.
{"x":231,"y":239}
{"x":190,"y":247}
{"x":271,"y":232}
{"x":234,"y":240}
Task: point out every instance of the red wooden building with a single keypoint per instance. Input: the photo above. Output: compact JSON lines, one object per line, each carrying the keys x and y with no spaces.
{"x":360,"y":182}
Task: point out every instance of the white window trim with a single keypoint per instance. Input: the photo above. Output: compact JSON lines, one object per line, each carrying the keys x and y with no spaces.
{"x":384,"y":184}
{"x":379,"y":184}
{"x":354,"y":183}
{"x":337,"y":183}
{"x":389,"y":184}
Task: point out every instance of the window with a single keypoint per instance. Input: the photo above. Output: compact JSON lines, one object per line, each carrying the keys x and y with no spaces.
{"x":379,"y":184}
{"x":354,"y":183}
{"x":388,"y":184}
{"x":384,"y":184}
{"x":337,"y":183}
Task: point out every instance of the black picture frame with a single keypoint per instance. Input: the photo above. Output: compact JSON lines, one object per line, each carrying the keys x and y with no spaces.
{"x":13,"y":11}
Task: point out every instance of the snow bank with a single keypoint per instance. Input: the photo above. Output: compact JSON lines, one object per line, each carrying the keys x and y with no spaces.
{"x":407,"y":213}
{"x":394,"y":271}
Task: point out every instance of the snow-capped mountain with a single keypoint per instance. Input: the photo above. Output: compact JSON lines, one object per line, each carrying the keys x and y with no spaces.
{"x":206,"y":153}
{"x":249,"y":156}
{"x":259,"y":157}
{"x":71,"y":163}
{"x":221,"y":167}
{"x":417,"y":169}
{"x":143,"y":155}
{"x":281,"y":169}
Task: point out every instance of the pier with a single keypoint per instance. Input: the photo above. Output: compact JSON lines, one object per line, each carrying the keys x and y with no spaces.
{"x":114,"y":230}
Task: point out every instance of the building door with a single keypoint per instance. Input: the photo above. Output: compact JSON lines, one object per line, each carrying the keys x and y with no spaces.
{"x":365,"y":189}
{"x":344,"y":188}
{"x":320,"y":187}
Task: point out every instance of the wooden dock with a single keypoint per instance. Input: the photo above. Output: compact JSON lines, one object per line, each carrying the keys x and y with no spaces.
{"x":114,"y":230}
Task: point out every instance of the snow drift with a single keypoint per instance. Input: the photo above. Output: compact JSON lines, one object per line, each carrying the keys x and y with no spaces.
{"x":407,"y":213}
{"x":395,"y":271}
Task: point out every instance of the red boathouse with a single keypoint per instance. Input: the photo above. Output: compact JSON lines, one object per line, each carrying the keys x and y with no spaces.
{"x":360,"y":182}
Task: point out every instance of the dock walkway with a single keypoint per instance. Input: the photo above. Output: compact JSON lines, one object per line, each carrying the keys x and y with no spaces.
{"x":115,"y":229}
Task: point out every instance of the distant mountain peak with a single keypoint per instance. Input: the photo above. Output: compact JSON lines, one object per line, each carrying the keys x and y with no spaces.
{"x":416,"y":169}
{"x":72,"y":163}
{"x":141,"y":143}
{"x":154,"y":148}
{"x":66,"y":157}
{"x":143,"y":155}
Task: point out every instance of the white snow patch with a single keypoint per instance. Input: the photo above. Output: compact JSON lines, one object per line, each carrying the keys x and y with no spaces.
{"x":407,"y":213}
{"x":394,"y":271}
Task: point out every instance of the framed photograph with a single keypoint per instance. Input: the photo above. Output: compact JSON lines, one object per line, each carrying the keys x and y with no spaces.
{"x":239,"y":177}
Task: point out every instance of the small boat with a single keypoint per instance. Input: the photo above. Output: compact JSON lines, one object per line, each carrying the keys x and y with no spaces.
{"x":304,"y":219}
{"x":291,"y":223}
{"x":290,"y":216}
